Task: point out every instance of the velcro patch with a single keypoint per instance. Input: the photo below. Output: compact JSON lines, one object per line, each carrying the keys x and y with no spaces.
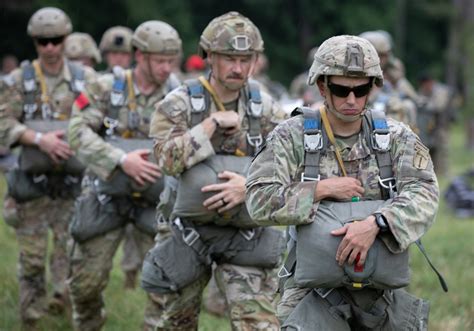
{"x":82,"y":101}
{"x":422,"y":156}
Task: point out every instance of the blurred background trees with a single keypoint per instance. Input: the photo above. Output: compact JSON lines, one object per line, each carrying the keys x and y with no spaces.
{"x":429,"y":35}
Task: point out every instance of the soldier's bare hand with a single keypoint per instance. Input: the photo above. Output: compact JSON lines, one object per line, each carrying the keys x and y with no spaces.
{"x":137,"y":166}
{"x":231,"y":193}
{"x":339,"y":188}
{"x":228,"y":120}
{"x":52,"y":143}
{"x":358,"y":238}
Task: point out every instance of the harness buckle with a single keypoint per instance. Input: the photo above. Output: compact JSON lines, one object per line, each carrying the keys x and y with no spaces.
{"x":388,"y":184}
{"x":190,"y":236}
{"x":78,"y":85}
{"x":247,"y":234}
{"x":309,"y":179}
{"x":110,"y":124}
{"x":29,"y":109}
{"x":256,"y":109}
{"x":40,"y":178}
{"x":381,"y":140}
{"x":313,"y":142}
{"x":283,"y":272}
{"x":117,"y":98}
{"x":198,"y":103}
{"x":255,"y":141}
{"x":323,"y":292}
{"x":29,"y":85}
{"x":103,"y":198}
{"x":46,"y":112}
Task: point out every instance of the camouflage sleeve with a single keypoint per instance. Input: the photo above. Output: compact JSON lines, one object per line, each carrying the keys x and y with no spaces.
{"x":177,"y":147}
{"x":87,"y":118}
{"x":274,"y":195}
{"x":11,"y":109}
{"x":413,"y":210}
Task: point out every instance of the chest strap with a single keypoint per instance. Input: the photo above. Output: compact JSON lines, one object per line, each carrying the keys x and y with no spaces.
{"x":29,"y":87}
{"x":254,"y":115}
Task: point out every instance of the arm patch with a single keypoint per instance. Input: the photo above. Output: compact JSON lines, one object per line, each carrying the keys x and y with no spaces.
{"x":82,"y":101}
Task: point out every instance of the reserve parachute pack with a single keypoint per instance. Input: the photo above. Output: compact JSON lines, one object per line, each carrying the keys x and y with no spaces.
{"x":312,"y":257}
{"x":196,"y":247}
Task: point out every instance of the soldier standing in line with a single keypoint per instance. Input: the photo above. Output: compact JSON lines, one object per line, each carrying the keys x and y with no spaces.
{"x":118,"y":106}
{"x":116,"y":47}
{"x":40,"y":96}
{"x":434,"y":116}
{"x":316,"y":160}
{"x":81,"y":47}
{"x":233,"y":121}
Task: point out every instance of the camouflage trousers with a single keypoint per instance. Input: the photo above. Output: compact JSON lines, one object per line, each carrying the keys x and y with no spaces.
{"x":35,"y":218}
{"x":132,"y":257}
{"x":91,"y":264}
{"x":303,"y":309}
{"x":248,"y":292}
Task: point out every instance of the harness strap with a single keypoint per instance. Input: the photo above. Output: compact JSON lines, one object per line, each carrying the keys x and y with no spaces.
{"x":29,"y":86}
{"x":330,"y":134}
{"x":132,"y":101}
{"x":192,"y":238}
{"x":45,"y":106}
{"x":287,"y":269}
{"x":254,"y":114}
{"x":199,"y":101}
{"x":118,"y":95}
{"x":78,"y":78}
{"x":443,"y":283}
{"x":314,"y":142}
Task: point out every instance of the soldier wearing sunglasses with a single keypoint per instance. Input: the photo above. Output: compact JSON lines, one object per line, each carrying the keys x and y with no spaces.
{"x":39,"y":99}
{"x":344,"y":156}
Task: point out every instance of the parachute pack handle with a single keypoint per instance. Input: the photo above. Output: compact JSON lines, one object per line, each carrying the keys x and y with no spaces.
{"x":443,"y":283}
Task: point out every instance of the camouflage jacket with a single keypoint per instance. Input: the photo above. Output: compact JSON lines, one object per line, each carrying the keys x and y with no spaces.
{"x":276,"y":196}
{"x":178,"y":146}
{"x":12,"y":100}
{"x":87,"y":123}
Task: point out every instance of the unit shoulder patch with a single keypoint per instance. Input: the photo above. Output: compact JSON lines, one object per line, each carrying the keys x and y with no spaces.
{"x":82,"y":101}
{"x":421,"y":157}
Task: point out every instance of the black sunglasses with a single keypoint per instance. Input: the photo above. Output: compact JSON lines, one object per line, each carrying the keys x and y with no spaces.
{"x":45,"y":41}
{"x":342,"y":91}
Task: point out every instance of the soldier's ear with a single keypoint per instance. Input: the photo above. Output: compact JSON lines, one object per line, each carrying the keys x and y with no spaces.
{"x":321,"y":87}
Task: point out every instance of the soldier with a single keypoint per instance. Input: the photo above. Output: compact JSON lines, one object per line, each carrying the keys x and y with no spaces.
{"x":119,"y":105}
{"x":396,"y":97}
{"x":435,"y":114}
{"x":230,"y":123}
{"x":81,"y":47}
{"x":116,"y":47}
{"x":41,"y":94}
{"x":320,"y":160}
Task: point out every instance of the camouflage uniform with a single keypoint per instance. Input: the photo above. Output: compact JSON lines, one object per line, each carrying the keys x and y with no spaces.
{"x":178,"y":146}
{"x":92,"y":259}
{"x":37,"y":216}
{"x":276,"y":196}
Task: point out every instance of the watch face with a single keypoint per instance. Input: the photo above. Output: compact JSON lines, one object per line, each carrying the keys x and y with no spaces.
{"x":382,"y":224}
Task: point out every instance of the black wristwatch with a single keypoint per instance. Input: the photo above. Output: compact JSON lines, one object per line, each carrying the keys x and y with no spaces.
{"x":381,"y":222}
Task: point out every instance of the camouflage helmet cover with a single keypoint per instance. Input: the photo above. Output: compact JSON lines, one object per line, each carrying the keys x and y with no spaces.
{"x":157,"y":37}
{"x":49,"y":22}
{"x":348,"y":56}
{"x":80,"y":44}
{"x":231,"y":33}
{"x":116,"y":39}
{"x":380,"y":39}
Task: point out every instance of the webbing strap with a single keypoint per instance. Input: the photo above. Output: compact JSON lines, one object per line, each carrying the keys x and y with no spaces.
{"x":29,"y":86}
{"x":287,"y":269}
{"x":443,"y":283}
{"x":132,"y":101}
{"x":192,"y":238}
{"x":199,"y":101}
{"x":77,"y":84}
{"x":378,"y":312}
{"x":313,"y":143}
{"x":330,"y":134}
{"x":212,"y":92}
{"x":254,"y":114}
{"x":43,"y":86}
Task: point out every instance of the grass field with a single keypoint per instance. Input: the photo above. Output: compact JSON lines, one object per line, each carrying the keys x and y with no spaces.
{"x":450,"y":244}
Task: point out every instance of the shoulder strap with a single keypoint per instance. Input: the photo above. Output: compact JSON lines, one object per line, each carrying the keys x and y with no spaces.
{"x":254,"y":114}
{"x":78,"y":80}
{"x":172,"y":82}
{"x":29,"y":87}
{"x":377,"y":135}
{"x":199,"y":101}
{"x":314,"y":142}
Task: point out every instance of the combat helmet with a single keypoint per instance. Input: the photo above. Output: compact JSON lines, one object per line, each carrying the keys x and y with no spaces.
{"x":80,"y":44}
{"x":381,"y":40}
{"x":49,"y":22}
{"x":231,"y":33}
{"x":157,"y":37}
{"x":116,"y":39}
{"x":345,"y":55}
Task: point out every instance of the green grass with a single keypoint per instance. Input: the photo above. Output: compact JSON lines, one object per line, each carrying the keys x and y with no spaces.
{"x":450,"y":244}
